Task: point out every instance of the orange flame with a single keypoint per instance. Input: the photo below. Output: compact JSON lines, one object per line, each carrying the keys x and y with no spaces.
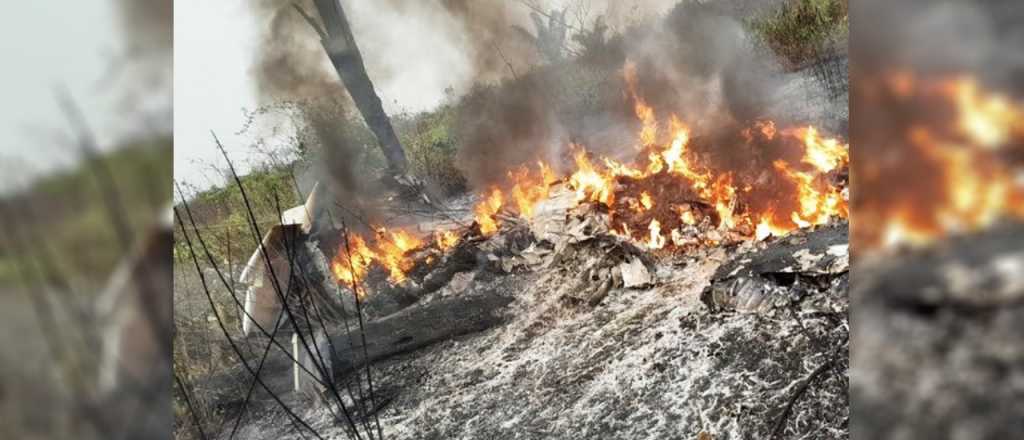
{"x":649,"y":132}
{"x":671,"y":169}
{"x":645,"y":200}
{"x":486,"y":211}
{"x":955,"y":146}
{"x":590,"y":184}
{"x":446,"y":240}
{"x":352,"y":261}
{"x":816,"y":199}
{"x":989,"y":120}
{"x":390,"y":250}
{"x":528,"y":189}
{"x":823,"y":154}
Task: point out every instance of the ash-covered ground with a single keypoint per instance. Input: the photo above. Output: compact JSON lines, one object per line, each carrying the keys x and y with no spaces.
{"x":938,"y":340}
{"x":747,"y":341}
{"x":737,"y":342}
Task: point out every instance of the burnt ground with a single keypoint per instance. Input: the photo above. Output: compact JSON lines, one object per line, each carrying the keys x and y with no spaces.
{"x":701,"y":349}
{"x":938,"y":341}
{"x":643,"y":363}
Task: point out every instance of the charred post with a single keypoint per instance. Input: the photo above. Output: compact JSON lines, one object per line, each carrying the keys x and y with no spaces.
{"x":340,"y":45}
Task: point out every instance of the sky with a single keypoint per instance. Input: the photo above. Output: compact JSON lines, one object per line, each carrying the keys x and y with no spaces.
{"x":47,"y":45}
{"x":213,"y":46}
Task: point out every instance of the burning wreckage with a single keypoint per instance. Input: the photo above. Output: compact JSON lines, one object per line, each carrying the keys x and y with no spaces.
{"x":680,"y":294}
{"x":937,"y":307}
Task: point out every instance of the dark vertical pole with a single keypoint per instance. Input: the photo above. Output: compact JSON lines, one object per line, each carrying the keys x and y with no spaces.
{"x":348,"y":62}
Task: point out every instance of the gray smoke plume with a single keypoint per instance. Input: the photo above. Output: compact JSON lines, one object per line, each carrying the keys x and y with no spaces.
{"x":147,"y":24}
{"x":697,"y":62}
{"x":983,"y":38}
{"x":141,"y":74}
{"x":291,"y":69}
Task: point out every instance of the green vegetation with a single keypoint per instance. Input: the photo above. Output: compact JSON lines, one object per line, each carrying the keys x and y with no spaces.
{"x":64,"y":216}
{"x":221,"y":216}
{"x":801,"y":31}
{"x":431,"y":143}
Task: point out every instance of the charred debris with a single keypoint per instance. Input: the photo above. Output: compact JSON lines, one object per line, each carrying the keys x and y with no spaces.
{"x":600,"y":304}
{"x":756,"y":331}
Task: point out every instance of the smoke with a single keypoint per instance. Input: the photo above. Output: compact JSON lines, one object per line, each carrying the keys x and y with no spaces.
{"x":982,"y":38}
{"x":925,"y":43}
{"x":697,"y":62}
{"x":417,"y":54}
{"x":142,"y":72}
{"x":147,"y":24}
{"x":909,"y":377}
{"x":413,"y":51}
{"x":290,"y":63}
{"x":504,"y":127}
{"x":291,"y":70}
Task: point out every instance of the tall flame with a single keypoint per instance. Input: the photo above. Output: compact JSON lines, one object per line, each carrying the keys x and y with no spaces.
{"x":392,"y":247}
{"x":948,"y":169}
{"x":446,"y":240}
{"x":487,"y":210}
{"x":672,"y":186}
{"x":530,"y":189}
{"x":390,"y":250}
{"x":352,"y":261}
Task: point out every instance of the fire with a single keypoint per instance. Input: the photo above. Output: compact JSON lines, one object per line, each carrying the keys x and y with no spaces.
{"x":392,"y":247}
{"x":591,"y":184}
{"x":389,"y":250}
{"x":446,"y":240}
{"x":352,"y":261}
{"x":766,"y":227}
{"x":948,"y":167}
{"x":530,"y":189}
{"x":645,"y":200}
{"x":675,"y":188}
{"x":823,"y":154}
{"x":990,"y":120}
{"x":487,"y":210}
{"x":649,"y":132}
{"x":815,"y":200}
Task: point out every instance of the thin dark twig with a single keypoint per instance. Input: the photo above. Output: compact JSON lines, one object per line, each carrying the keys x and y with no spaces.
{"x":348,"y":330}
{"x":231,"y":341}
{"x":290,"y":248}
{"x":252,"y":384}
{"x":274,"y":277}
{"x":47,"y":320}
{"x":272,"y":335}
{"x":105,"y":178}
{"x":507,"y":63}
{"x":223,"y":280}
{"x":52,"y":275}
{"x":116,"y":215}
{"x":362,"y":327}
{"x":191,"y":409}
{"x":780,"y":422}
{"x":37,"y":297}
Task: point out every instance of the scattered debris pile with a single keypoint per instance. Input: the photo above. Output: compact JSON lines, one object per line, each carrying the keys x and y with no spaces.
{"x":594,"y":337}
{"x":560,"y":327}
